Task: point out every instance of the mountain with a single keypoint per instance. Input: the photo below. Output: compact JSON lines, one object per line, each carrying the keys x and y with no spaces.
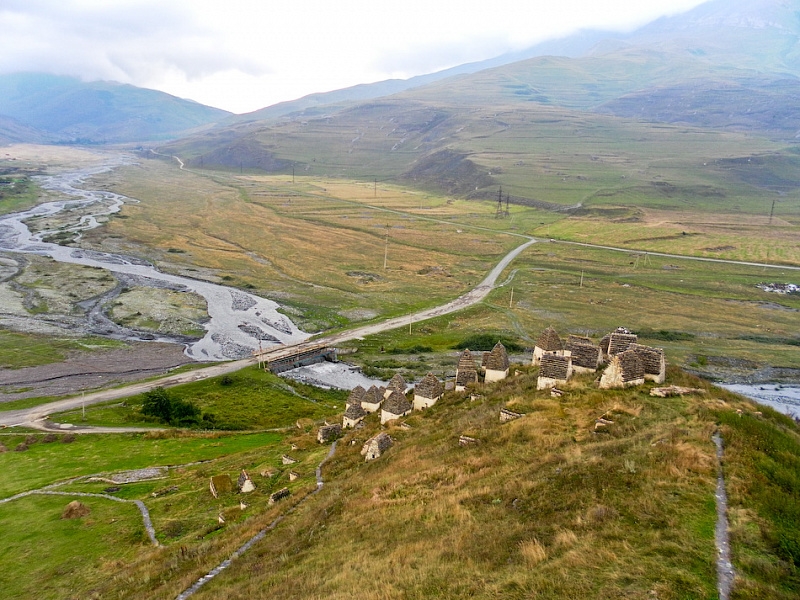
{"x":14,"y":132}
{"x":68,"y":110}
{"x":726,"y":66}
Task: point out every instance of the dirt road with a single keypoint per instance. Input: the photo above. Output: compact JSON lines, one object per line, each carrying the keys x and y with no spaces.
{"x":36,"y":417}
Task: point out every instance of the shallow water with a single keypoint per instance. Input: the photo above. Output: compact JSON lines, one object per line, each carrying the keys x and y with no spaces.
{"x":783,"y":398}
{"x":332,"y":375}
{"x":238,"y":320}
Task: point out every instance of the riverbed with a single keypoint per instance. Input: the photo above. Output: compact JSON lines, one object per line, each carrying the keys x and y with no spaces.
{"x":239,"y":322}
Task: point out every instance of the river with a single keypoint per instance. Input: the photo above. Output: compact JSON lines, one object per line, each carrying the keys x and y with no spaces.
{"x":239,"y":321}
{"x":783,"y":398}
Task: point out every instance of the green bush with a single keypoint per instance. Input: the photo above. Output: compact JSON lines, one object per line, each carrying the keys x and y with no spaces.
{"x":487,"y":341}
{"x":160,"y":404}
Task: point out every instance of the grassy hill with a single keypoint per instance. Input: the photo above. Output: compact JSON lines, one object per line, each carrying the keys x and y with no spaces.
{"x":546,"y":506}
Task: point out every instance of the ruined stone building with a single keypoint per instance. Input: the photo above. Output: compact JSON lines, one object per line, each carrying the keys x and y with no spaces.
{"x":624,"y":370}
{"x":466,"y":371}
{"x":554,"y":369}
{"x":328,"y":433}
{"x":427,"y":392}
{"x":548,"y":343}
{"x":394,"y":407}
{"x":372,"y":400}
{"x":496,"y":364}
{"x":655,"y":365}
{"x":376,"y":446}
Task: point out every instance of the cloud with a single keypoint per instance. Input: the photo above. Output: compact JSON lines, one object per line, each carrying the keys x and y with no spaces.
{"x":128,"y":41}
{"x":250,"y":53}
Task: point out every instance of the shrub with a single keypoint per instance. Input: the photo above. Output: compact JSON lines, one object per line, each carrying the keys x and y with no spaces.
{"x":160,"y":404}
{"x":487,"y":341}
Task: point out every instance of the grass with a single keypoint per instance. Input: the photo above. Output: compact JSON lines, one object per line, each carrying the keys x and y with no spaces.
{"x":540,"y":507}
{"x":689,"y":308}
{"x":17,"y":192}
{"x":89,"y":454}
{"x":763,"y":469}
{"x":248,"y":399}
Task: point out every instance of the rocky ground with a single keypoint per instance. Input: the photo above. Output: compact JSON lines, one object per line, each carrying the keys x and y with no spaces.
{"x":84,"y":371}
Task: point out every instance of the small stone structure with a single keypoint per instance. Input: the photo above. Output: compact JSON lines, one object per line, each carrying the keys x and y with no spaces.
{"x":548,"y":343}
{"x":674,"y":390}
{"x":465,"y":440}
{"x":586,"y":357}
{"x":655,"y":366}
{"x":553,"y":369}
{"x":372,"y":399}
{"x":496,"y":364}
{"x":245,"y":484}
{"x":220,"y":484}
{"x":617,"y":342}
{"x":279,"y":495}
{"x":328,"y":433}
{"x":395,"y":406}
{"x":427,"y":392}
{"x":356,"y":395}
{"x":508,"y":415}
{"x":625,"y":370}
{"x":288,"y":460}
{"x":353,"y":415}
{"x":376,"y":446}
{"x":396,"y":383}
{"x":75,"y":510}
{"x":466,"y":371}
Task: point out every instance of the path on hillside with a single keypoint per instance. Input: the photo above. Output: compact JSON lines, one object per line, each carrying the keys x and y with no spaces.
{"x":257,"y":537}
{"x":725,"y":573}
{"x":36,"y":416}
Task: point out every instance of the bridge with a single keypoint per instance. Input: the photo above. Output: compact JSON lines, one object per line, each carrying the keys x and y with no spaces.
{"x":284,"y":358}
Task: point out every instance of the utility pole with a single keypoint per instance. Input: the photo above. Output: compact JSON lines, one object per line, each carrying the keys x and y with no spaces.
{"x":292,"y":173}
{"x":386,"y":248}
{"x":772,"y":211}
{"x":375,"y":190}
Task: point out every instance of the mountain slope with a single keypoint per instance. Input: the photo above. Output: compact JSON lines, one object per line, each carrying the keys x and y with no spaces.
{"x":98,"y":112}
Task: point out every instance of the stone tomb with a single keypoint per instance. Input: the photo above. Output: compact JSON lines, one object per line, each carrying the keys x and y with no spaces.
{"x":553,"y":370}
{"x":427,"y":392}
{"x":625,"y":370}
{"x":496,"y":364}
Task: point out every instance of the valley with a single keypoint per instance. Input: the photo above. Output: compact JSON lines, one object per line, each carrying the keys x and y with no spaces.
{"x":156,"y":254}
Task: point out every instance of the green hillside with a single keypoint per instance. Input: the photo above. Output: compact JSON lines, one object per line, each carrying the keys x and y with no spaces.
{"x":549,"y":505}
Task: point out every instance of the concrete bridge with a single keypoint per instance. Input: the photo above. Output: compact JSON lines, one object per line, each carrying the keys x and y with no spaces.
{"x":284,"y":358}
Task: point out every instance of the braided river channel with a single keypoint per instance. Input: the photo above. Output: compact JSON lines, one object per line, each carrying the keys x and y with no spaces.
{"x":239,"y":322}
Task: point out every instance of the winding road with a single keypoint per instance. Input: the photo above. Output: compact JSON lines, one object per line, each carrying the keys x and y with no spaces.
{"x":36,"y":417}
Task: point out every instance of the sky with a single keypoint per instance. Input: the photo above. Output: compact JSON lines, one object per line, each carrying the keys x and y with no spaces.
{"x":242,"y":55}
